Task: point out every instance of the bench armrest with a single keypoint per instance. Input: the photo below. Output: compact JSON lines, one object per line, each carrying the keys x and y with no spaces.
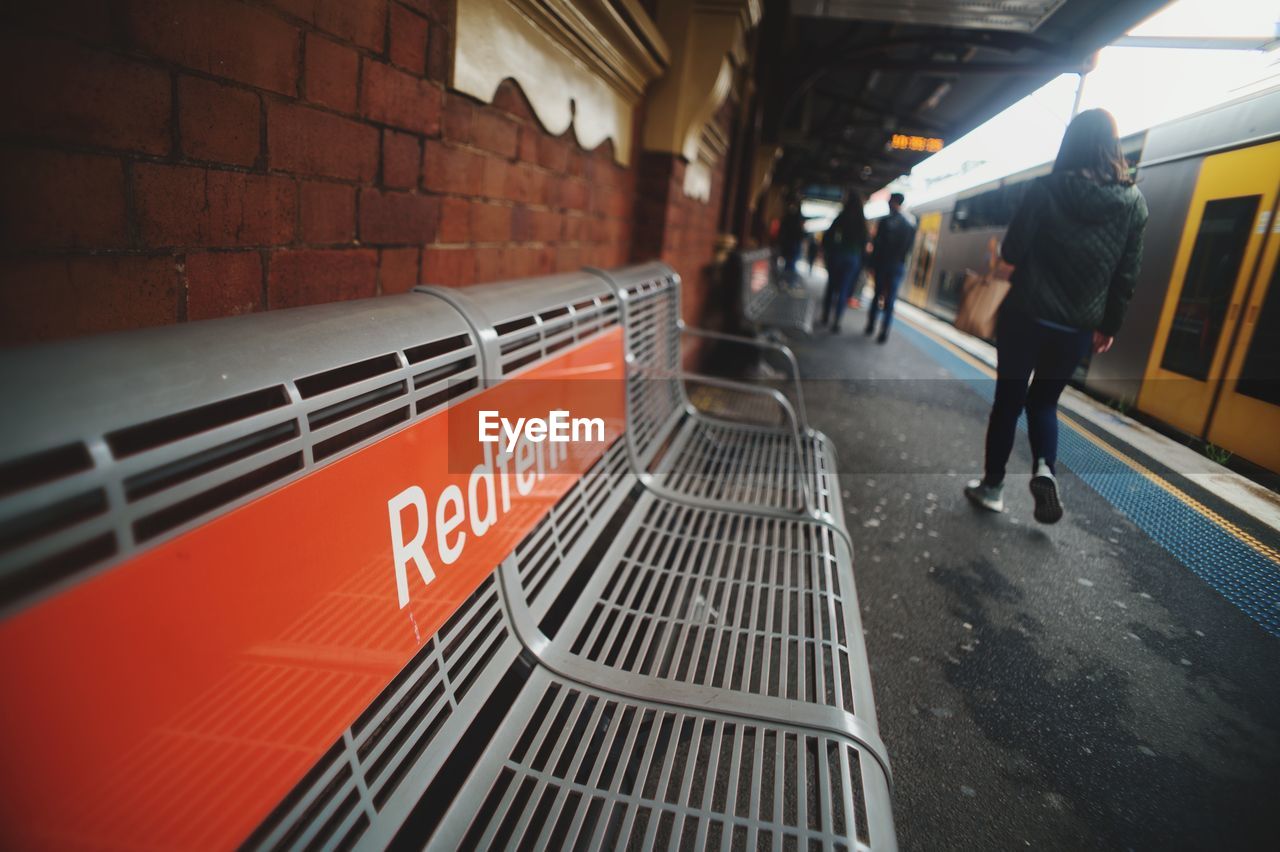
{"x":780,"y":398}
{"x":781,"y":348}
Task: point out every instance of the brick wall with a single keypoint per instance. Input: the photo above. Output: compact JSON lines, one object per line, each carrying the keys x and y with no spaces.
{"x":682,"y":230}
{"x":172,"y":160}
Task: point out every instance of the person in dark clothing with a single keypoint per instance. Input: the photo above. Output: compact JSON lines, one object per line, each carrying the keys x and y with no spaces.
{"x":895,"y":235}
{"x":843,"y":244}
{"x":811,"y":251}
{"x":791,"y":237}
{"x":1075,"y":245}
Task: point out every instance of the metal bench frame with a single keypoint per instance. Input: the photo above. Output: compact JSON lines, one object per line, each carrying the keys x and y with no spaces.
{"x":507,"y":655}
{"x":798,"y":433}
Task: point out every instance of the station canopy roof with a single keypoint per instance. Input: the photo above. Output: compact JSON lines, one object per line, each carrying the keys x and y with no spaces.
{"x":856,"y":91}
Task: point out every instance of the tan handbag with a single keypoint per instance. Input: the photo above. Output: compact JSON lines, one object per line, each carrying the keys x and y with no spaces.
{"x":980,"y":298}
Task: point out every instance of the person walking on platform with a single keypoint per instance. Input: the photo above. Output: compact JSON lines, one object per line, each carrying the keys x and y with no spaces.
{"x":843,"y":244}
{"x":1075,"y":245}
{"x":895,"y":235}
{"x":791,"y":237}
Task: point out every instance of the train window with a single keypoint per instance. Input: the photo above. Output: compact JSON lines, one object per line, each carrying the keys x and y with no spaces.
{"x":1210,"y":281}
{"x":949,"y":284}
{"x":1260,"y":375}
{"x":924,"y":260}
{"x":991,"y":209}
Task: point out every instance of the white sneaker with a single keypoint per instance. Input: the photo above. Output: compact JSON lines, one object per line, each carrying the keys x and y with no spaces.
{"x":1044,"y":490}
{"x":989,"y":497}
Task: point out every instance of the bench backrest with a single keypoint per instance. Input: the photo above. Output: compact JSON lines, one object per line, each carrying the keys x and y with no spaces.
{"x":655,"y":395}
{"x":534,"y":321}
{"x":209,"y":633}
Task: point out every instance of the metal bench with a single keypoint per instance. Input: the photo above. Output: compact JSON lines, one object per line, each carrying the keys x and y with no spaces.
{"x":683,"y":451}
{"x":201,"y":616}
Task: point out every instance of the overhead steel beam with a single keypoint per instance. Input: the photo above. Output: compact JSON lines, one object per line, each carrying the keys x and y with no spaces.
{"x":1198,"y":42}
{"x":944,"y":68}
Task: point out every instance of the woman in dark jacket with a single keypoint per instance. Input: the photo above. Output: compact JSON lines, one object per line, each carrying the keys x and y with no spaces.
{"x":1075,"y":245}
{"x":843,"y":245}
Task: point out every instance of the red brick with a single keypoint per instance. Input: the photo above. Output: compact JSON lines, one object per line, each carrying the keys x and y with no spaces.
{"x":524,"y":185}
{"x":567,"y":258}
{"x":493,"y":264}
{"x":307,"y":141}
{"x":494,"y":132}
{"x":547,"y":260}
{"x":332,"y":74}
{"x":527,"y":261}
{"x":510,"y":98}
{"x":390,"y":96}
{"x":453,"y":170}
{"x":187,"y":206}
{"x":217,"y":122}
{"x":455,"y":220}
{"x":449,"y":266}
{"x":312,"y":276}
{"x":440,"y":49}
{"x":553,"y":153}
{"x":397,"y":270}
{"x":551,"y":188}
{"x":57,"y":90}
{"x":408,"y":40}
{"x":359,"y":21}
{"x":528,"y":150}
{"x":328,"y":213}
{"x":221,"y":38}
{"x":575,"y":228}
{"x":55,"y":200}
{"x":438,"y":11}
{"x":575,"y":161}
{"x":574,"y":194}
{"x":457,"y":118}
{"x":493,"y":181}
{"x":223,"y":284}
{"x":545,"y":226}
{"x":521,"y":224}
{"x":401,"y":160}
{"x":68,"y":297}
{"x":397,"y":217}
{"x":490,"y":223}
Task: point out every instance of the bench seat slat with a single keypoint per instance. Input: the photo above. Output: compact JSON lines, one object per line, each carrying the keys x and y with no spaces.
{"x":668,"y":780}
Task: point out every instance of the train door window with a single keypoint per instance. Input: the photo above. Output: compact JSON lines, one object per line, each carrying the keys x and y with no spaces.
{"x":949,"y":284}
{"x":1260,"y":375}
{"x":1210,"y":281}
{"x":924,"y":260}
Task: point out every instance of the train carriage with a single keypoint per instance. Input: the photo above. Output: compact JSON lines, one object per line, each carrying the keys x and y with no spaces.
{"x":1199,"y":350}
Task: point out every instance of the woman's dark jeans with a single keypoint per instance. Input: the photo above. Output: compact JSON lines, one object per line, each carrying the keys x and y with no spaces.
{"x":1024,"y":347}
{"x":842,"y":272}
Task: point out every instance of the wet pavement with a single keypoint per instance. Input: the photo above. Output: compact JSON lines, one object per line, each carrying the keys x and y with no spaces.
{"x":1064,"y":687}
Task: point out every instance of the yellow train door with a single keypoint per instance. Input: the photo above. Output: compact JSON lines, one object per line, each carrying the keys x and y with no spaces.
{"x":1201,"y":340}
{"x":1246,"y":419}
{"x":926,"y":250}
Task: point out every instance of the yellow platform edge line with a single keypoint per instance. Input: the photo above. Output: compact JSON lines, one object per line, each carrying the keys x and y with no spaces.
{"x":1226,"y":525}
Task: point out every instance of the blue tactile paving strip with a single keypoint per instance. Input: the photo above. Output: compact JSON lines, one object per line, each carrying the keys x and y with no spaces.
{"x":1247,"y":577}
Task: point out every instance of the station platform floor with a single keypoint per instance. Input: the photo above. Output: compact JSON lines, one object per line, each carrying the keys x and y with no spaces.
{"x":1108,"y":682}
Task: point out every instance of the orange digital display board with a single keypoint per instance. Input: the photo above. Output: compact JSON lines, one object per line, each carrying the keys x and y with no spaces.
{"x":905,"y":142}
{"x":173,"y":700}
